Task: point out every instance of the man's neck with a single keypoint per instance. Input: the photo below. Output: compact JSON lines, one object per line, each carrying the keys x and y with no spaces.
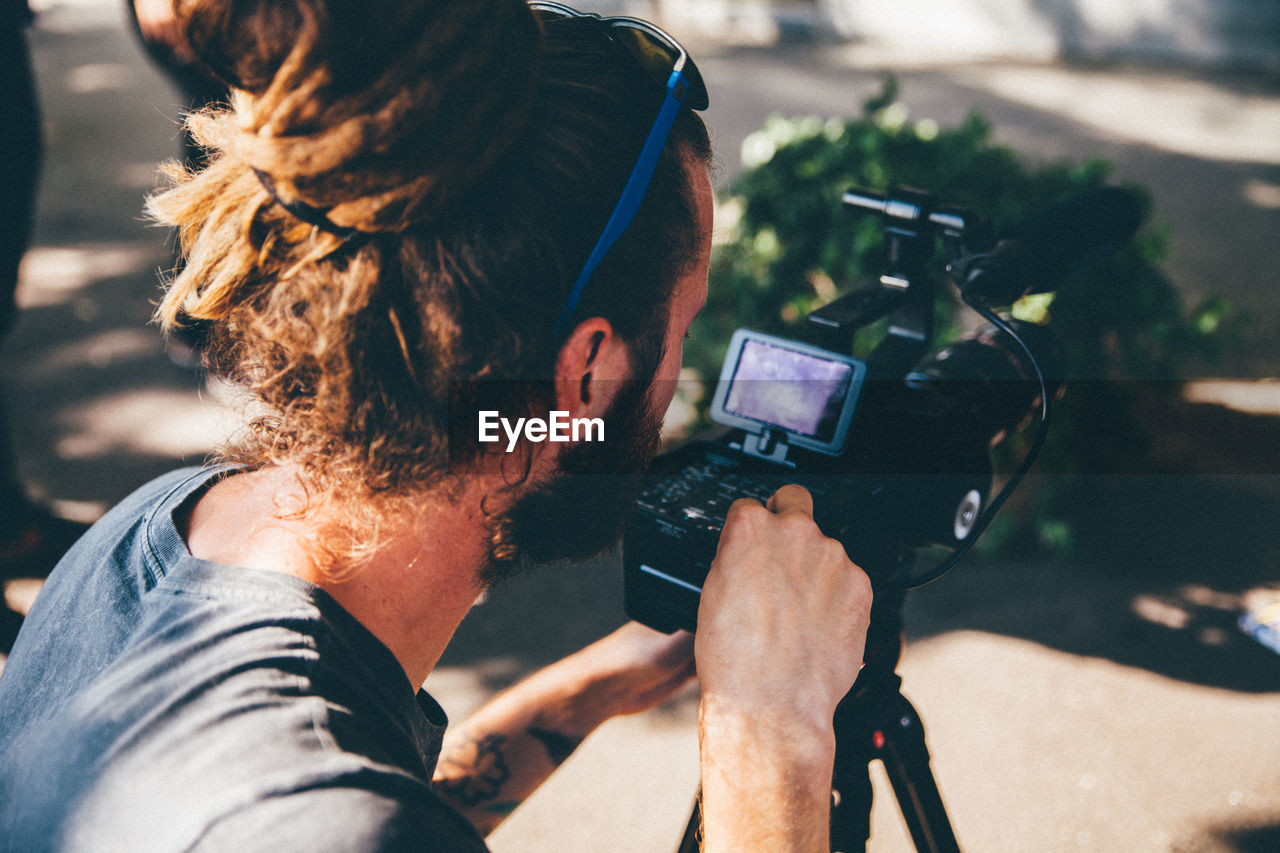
{"x":411,"y":593}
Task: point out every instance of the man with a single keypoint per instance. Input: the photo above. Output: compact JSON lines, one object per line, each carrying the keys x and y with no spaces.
{"x":229,"y":659}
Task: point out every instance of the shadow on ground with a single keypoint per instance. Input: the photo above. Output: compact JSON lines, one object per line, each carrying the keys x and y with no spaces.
{"x":1255,"y":839}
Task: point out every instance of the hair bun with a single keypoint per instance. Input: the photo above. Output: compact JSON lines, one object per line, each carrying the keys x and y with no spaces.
{"x":379,"y":112}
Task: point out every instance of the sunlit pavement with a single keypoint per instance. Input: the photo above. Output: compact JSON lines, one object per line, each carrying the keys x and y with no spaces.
{"x":1105,"y":703}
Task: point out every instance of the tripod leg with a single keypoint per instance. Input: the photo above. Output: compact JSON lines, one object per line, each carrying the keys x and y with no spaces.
{"x":900,"y":745}
{"x":906,"y":759}
{"x":850,"y":807}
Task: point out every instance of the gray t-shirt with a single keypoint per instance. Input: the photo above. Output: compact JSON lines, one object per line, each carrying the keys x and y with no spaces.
{"x":154,"y":701}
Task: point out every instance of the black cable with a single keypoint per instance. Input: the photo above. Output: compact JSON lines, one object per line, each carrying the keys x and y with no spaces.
{"x":998,"y":501}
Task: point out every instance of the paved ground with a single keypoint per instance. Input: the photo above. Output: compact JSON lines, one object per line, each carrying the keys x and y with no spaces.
{"x":1101,"y":703}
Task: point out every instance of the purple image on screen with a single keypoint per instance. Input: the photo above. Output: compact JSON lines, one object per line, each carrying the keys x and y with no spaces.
{"x":798,"y":392}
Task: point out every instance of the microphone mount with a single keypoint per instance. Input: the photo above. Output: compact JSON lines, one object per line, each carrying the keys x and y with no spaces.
{"x":904,"y":292}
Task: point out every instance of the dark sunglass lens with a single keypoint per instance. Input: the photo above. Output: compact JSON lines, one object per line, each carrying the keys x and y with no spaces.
{"x":657,"y":58}
{"x":697,"y":99}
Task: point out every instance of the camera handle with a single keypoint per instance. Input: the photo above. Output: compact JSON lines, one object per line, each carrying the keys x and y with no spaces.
{"x":905,"y":291}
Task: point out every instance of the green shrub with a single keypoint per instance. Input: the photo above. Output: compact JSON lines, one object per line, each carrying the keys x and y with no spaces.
{"x":795,"y":247}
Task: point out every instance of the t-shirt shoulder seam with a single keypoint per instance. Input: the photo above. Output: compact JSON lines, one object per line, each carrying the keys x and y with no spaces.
{"x":152,"y":561}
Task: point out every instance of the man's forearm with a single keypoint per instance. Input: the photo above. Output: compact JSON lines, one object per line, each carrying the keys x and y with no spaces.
{"x":766,"y":783}
{"x":781,"y":628}
{"x":508,"y":748}
{"x":511,"y":745}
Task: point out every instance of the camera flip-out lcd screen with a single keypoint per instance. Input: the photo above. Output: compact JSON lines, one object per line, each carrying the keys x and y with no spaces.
{"x":802,"y":392}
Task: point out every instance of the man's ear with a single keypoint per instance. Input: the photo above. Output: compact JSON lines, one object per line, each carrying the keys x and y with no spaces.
{"x":592,"y":364}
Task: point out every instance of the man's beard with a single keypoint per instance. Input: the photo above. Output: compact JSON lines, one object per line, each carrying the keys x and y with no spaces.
{"x":581,"y":511}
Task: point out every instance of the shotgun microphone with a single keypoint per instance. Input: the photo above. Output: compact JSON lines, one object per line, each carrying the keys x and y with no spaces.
{"x":1049,"y":248}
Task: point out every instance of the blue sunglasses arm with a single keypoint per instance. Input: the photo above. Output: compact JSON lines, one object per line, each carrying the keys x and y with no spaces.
{"x":632,"y":193}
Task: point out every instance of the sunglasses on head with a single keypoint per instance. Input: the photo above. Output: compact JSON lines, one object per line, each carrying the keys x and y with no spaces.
{"x":663,"y":60}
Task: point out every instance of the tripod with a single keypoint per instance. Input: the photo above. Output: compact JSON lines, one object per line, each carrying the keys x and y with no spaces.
{"x":875,"y":721}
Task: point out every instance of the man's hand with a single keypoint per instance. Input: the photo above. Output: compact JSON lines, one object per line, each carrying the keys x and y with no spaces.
{"x":781,"y":630}
{"x":784,"y":612}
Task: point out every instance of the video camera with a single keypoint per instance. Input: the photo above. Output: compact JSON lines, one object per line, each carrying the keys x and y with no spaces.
{"x":896,"y":448}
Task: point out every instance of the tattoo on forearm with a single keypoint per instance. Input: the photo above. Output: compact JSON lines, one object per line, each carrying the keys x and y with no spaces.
{"x":557,"y":745}
{"x":476,"y":770}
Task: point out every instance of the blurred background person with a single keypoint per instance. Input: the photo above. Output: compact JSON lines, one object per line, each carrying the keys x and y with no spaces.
{"x":31,"y":538}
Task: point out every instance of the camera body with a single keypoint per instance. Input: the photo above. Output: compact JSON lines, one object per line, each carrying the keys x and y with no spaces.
{"x":896,"y":449}
{"x":892,"y":465}
{"x":787,"y":405}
